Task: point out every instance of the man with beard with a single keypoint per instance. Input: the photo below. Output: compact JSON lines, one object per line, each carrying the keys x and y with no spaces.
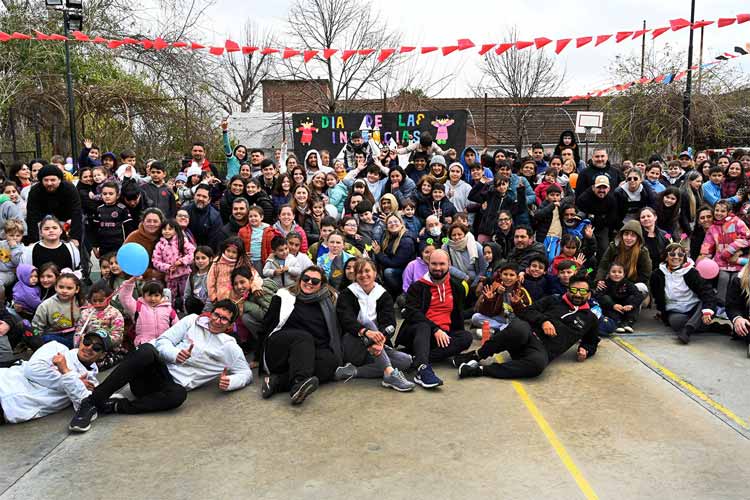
{"x":257,"y":156}
{"x":313,"y":164}
{"x":205,"y":220}
{"x":542,"y":332}
{"x":238,"y":220}
{"x":198,"y":154}
{"x":598,"y":166}
{"x":53,"y":196}
{"x":433,"y":327}
{"x":601,"y":206}
{"x":525,"y":247}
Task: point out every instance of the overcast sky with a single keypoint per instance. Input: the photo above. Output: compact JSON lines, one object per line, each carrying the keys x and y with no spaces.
{"x":442,"y":22}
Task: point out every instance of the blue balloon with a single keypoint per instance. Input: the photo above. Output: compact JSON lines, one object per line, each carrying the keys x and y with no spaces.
{"x":133,"y":259}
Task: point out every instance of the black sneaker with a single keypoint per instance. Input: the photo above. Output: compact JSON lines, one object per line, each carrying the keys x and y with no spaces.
{"x":460,"y":359}
{"x":684,"y":336}
{"x":86,"y":414}
{"x":470,"y":369}
{"x":304,"y":389}
{"x":110,"y":406}
{"x":268,"y":387}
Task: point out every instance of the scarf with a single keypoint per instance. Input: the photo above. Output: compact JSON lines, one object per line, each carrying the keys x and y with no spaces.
{"x":326,"y":300}
{"x":368,"y":304}
{"x":467,"y":244}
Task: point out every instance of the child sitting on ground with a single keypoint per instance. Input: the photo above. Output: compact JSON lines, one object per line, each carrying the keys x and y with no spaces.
{"x":294,"y":242}
{"x":196,"y":288}
{"x":536,"y":280}
{"x":280,"y":266}
{"x":152,"y":314}
{"x":570,"y":250}
{"x":26,"y":292}
{"x":55,"y":318}
{"x":501,"y":299}
{"x":619,"y":299}
{"x":11,"y":250}
{"x":100,"y":315}
{"x":231,"y":256}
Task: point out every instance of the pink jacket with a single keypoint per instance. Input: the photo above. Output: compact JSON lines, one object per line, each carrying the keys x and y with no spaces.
{"x":152,"y":321}
{"x":724,"y":239}
{"x":167,"y":253}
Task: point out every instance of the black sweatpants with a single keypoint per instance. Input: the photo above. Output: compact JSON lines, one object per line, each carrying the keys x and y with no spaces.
{"x":150,"y":382}
{"x":529,"y":356}
{"x":421,"y":343}
{"x":292,"y":355}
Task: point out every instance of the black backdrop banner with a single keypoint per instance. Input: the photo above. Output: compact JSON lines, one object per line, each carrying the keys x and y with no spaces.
{"x":332,"y":131}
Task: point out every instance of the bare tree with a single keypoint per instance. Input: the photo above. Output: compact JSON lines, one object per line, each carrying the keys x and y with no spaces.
{"x":519,"y":76}
{"x":240,"y":76}
{"x":341,"y":24}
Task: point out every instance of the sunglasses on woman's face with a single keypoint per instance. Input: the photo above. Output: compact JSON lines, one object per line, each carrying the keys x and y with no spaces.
{"x":311,"y":280}
{"x":676,"y":253}
{"x":96,"y":347}
{"x":634,"y":178}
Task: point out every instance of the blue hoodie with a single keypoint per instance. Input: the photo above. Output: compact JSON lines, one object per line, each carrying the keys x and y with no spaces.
{"x":467,"y":174}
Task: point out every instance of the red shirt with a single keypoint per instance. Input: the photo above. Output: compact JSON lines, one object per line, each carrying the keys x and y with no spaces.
{"x":441,"y":305}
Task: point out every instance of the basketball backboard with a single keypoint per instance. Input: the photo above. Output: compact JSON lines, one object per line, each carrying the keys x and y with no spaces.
{"x":591,"y":120}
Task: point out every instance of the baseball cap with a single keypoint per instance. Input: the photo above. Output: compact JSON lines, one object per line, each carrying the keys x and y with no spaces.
{"x":601,"y":180}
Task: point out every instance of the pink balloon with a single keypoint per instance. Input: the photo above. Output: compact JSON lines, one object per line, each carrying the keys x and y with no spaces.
{"x":707,"y":268}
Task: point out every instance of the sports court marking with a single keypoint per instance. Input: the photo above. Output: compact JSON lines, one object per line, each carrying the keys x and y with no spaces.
{"x":584,"y":485}
{"x":679,"y":381}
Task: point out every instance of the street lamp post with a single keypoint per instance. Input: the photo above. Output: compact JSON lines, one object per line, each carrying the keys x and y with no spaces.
{"x":688,"y":85}
{"x":72,"y":18}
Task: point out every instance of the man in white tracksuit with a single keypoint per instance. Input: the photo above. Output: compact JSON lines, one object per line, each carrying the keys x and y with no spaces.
{"x":191,"y":353}
{"x":54,"y":378}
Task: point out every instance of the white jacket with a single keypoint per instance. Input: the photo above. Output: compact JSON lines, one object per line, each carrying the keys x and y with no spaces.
{"x":212,"y":352}
{"x":36,"y":388}
{"x":75,"y":255}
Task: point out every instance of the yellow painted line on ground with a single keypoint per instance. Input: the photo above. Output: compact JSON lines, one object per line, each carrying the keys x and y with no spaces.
{"x":682,"y":383}
{"x":555,"y":442}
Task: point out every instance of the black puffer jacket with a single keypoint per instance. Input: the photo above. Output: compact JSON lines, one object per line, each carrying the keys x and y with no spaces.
{"x":496,"y":202}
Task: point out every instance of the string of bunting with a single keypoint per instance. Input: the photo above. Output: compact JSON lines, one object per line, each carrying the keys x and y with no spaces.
{"x":383,"y":53}
{"x":665,"y":78}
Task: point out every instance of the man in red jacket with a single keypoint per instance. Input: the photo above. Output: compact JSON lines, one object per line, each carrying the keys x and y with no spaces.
{"x":433,"y":327}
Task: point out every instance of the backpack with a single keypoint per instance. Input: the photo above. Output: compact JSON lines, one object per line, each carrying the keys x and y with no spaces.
{"x":129,"y":339}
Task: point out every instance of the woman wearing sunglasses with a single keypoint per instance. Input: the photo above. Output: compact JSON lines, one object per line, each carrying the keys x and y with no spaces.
{"x":633,"y":195}
{"x":52,"y":379}
{"x":303,"y":343}
{"x":692,"y":302}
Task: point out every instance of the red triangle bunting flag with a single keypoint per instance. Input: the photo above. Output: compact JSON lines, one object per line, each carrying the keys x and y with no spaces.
{"x":678,"y":24}
{"x":268,"y":51}
{"x":725,"y":21}
{"x":701,"y":24}
{"x":179,"y":45}
{"x":197,"y":46}
{"x":309,"y":54}
{"x":643,"y":80}
{"x":427,"y":50}
{"x":327,"y":53}
{"x":580,"y":42}
{"x":40,"y":35}
{"x":639,"y":33}
{"x":290,"y":53}
{"x":216,"y":51}
{"x":743,"y":18}
{"x":58,"y":38}
{"x":622,"y":35}
{"x":232,"y":46}
{"x":658,"y":32}
{"x":385,"y":54}
{"x":465,"y":43}
{"x":449,"y":49}
{"x":347,"y":54}
{"x":365,"y":52}
{"x":4,"y":37}
{"x":81,"y":37}
{"x":406,"y":49}
{"x":248,"y":49}
{"x":561,"y":44}
{"x":503,"y":47}
{"x":114,"y":44}
{"x":99,"y":39}
{"x":128,"y":40}
{"x":159,"y":44}
{"x":522,"y":44}
{"x":20,"y":36}
{"x":600,"y":39}
{"x":147,"y":44}
{"x":541,"y":42}
{"x":486,"y":48}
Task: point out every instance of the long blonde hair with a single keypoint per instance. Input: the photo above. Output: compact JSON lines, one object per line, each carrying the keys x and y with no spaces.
{"x":388,"y":236}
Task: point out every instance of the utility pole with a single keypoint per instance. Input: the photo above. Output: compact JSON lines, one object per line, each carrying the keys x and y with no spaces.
{"x":643,"y":50}
{"x":688,"y":85}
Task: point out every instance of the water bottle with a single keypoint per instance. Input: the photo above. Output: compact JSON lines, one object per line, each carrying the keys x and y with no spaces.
{"x":485,"y":331}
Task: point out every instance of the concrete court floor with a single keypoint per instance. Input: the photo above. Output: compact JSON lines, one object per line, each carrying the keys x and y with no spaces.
{"x":628,"y":434}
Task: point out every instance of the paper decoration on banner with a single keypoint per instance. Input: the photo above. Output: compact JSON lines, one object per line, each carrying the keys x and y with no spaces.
{"x":663,"y":79}
{"x":383,"y":54}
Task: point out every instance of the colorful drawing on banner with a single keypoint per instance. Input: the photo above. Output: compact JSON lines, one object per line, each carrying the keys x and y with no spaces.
{"x":332,"y":132}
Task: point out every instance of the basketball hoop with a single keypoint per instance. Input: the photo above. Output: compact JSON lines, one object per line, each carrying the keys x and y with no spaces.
{"x":591,"y":133}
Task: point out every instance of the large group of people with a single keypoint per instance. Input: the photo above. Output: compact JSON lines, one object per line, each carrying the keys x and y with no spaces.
{"x":300,"y":266}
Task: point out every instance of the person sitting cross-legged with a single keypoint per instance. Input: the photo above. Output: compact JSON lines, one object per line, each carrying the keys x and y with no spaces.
{"x":542,"y":332}
{"x":191,"y":353}
{"x":433,"y":327}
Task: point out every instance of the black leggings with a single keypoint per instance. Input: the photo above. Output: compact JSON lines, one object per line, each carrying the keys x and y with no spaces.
{"x":293,"y":357}
{"x":529,"y":356}
{"x":421,"y":343}
{"x":150,"y":382}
